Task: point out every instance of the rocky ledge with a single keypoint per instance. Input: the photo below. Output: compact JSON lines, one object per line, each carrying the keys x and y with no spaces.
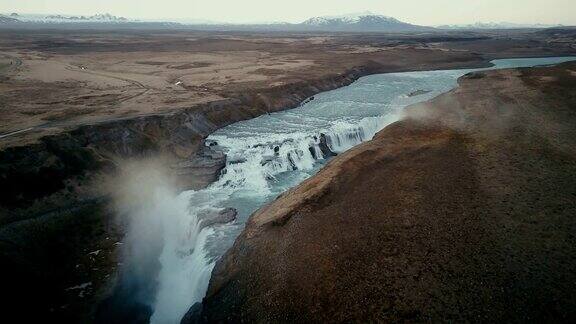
{"x":462,"y":211}
{"x":50,"y":193}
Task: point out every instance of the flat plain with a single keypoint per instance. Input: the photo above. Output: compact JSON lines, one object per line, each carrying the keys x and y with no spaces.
{"x":57,"y":79}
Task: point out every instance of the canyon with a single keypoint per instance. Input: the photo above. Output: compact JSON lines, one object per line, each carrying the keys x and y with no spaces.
{"x":76,"y":103}
{"x":462,"y":210}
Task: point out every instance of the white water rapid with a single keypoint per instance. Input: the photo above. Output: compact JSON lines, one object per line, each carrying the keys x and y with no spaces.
{"x":269,"y":154}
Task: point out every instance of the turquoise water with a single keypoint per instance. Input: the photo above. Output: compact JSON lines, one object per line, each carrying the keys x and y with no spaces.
{"x":272,"y":153}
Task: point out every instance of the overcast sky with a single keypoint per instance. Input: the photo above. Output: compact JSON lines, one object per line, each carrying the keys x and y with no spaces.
{"x":424,"y":12}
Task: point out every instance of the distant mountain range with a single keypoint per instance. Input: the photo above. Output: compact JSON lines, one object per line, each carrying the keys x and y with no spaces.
{"x":492,"y":25}
{"x":365,"y":21}
{"x":101,"y":18}
{"x":360,"y":22}
{"x":8,"y":20}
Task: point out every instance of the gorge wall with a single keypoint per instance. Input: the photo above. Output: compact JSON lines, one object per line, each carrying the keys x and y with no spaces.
{"x":59,"y":241}
{"x":51,"y":192}
{"x":461,"y":211}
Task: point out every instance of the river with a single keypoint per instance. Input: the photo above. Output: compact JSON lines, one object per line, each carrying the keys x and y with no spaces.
{"x":272,"y":153}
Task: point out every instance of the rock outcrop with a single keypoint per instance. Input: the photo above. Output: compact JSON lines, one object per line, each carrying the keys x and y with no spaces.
{"x":223,"y":216}
{"x":462,"y":211}
{"x":50,"y":197}
{"x":59,"y":171}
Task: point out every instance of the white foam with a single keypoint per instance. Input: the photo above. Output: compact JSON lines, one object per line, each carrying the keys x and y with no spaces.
{"x":262,"y":150}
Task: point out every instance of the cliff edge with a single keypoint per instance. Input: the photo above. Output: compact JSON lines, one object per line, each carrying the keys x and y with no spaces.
{"x":462,"y":211}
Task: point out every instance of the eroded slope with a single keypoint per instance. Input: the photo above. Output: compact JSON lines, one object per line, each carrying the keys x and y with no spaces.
{"x":462,"y":211}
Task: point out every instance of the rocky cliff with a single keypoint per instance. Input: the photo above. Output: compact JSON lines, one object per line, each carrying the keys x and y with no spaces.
{"x":462,"y":211}
{"x":58,"y":165}
{"x":50,"y":197}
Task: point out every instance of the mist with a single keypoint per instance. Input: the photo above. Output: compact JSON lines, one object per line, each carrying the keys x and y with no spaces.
{"x":148,"y":206}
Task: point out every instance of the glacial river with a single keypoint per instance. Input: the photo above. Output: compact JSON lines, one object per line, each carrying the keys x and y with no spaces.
{"x":272,"y":153}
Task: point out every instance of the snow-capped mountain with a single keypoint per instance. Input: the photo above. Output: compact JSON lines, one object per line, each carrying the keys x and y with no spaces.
{"x":365,"y":21}
{"x":8,"y":20}
{"x":347,"y":19}
{"x":361,"y":22}
{"x":98,"y":18}
{"x":493,"y":25}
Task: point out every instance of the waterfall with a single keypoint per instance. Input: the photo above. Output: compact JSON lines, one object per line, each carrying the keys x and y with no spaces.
{"x":253,"y":164}
{"x":171,"y":248}
{"x":185,"y":271}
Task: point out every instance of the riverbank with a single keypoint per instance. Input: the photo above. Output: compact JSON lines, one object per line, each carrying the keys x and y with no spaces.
{"x":462,"y":210}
